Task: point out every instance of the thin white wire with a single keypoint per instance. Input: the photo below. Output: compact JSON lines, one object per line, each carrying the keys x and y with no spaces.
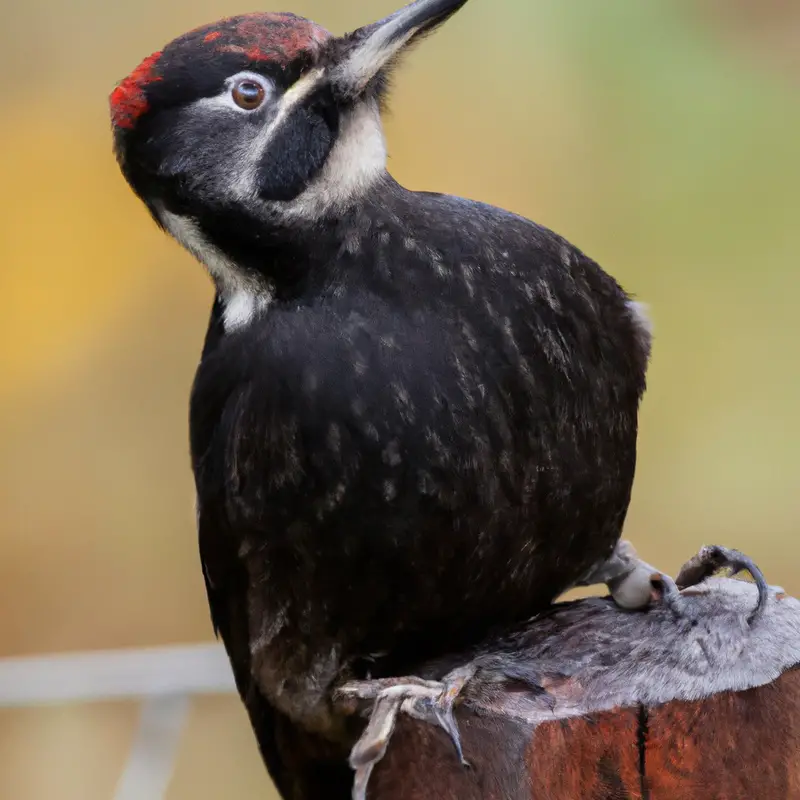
{"x":163,"y":678}
{"x":115,"y":674}
{"x":151,"y":761}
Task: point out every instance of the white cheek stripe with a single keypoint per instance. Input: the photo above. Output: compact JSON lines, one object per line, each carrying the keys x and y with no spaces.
{"x":293,"y":97}
{"x":242,"y":298}
{"x":365,"y":62}
{"x":243,"y":183}
{"x":356,"y":162}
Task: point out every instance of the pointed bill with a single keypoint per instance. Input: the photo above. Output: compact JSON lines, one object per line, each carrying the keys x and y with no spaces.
{"x":371,"y":48}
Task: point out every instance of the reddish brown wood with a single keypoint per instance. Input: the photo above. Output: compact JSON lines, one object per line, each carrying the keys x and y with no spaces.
{"x":595,"y":759}
{"x":421,"y":762}
{"x":731,"y":746}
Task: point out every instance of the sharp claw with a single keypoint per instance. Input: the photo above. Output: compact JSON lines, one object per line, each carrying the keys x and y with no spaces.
{"x":444,"y":706}
{"x":445,"y":718}
{"x":428,"y":701}
{"x":666,"y":590}
{"x":666,"y":587}
{"x":712,"y":558}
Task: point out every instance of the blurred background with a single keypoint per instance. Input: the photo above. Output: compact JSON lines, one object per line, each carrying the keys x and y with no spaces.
{"x":661,"y":138}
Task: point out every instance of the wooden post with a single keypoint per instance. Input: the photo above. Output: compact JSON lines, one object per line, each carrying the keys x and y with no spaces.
{"x":589,"y":702}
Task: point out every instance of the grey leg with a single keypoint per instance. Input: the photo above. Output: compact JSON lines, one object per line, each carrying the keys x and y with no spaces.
{"x":629,"y":579}
{"x":430,"y":701}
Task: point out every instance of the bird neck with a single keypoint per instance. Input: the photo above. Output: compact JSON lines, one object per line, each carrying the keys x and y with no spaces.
{"x":254,"y":262}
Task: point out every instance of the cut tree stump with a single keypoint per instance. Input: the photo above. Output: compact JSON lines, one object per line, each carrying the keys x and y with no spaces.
{"x":589,"y":702}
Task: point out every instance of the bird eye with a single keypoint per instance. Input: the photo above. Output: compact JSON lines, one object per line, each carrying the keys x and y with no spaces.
{"x":248,"y":94}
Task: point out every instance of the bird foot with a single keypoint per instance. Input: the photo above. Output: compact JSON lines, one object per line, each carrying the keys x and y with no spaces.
{"x":635,"y":584}
{"x":629,"y":579}
{"x":713,"y":558}
{"x":429,"y":701}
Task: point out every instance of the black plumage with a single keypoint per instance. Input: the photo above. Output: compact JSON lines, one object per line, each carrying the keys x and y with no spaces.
{"x":415,"y":416}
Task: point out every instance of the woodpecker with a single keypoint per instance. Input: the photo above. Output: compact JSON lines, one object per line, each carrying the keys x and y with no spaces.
{"x":414,"y":419}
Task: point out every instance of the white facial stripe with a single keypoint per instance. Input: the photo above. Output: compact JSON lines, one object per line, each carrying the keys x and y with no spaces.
{"x":243,"y":183}
{"x":300,"y":89}
{"x":294,"y":96}
{"x":370,"y":56}
{"x":356,"y":162}
{"x":186,"y":233}
{"x":242,"y":297}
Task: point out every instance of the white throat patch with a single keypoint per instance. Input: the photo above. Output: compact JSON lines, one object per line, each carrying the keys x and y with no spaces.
{"x":356,"y":162}
{"x":242,"y":306}
{"x":242,"y":297}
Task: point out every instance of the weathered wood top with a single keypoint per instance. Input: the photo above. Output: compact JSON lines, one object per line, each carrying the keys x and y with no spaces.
{"x":589,"y":702}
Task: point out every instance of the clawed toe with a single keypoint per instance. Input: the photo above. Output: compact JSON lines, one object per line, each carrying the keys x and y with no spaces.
{"x":371,"y":747}
{"x":666,"y":591}
{"x":429,"y":701}
{"x":634,"y":583}
{"x":713,"y":558}
{"x":441,"y":709}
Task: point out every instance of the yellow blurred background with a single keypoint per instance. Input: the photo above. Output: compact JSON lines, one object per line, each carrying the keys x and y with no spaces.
{"x":660,"y":137}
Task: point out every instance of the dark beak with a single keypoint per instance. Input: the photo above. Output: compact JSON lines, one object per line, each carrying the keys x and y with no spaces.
{"x":370,"y":49}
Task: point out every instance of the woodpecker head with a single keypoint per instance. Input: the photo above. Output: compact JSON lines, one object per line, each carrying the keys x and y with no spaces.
{"x":263,"y":120}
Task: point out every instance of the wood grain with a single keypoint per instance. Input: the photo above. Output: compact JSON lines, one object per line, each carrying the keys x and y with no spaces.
{"x":732,"y":746}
